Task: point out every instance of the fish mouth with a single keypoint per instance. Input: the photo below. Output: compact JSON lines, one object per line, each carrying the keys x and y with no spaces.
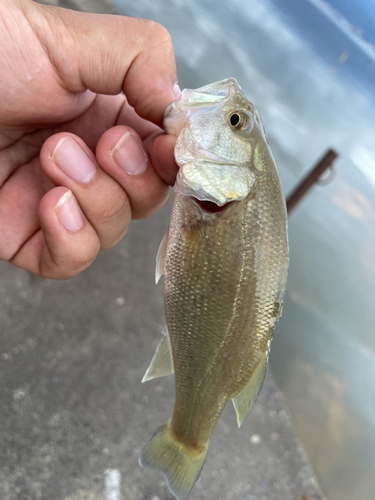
{"x":210,"y":207}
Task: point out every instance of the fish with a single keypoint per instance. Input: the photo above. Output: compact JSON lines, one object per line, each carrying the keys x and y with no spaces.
{"x":225,"y":262}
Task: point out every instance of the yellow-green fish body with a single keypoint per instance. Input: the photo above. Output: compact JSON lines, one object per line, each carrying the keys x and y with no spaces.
{"x":225,"y":261}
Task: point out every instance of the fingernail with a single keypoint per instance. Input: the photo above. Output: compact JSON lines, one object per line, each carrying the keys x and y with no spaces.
{"x":129,"y":155}
{"x":73,"y":161}
{"x":68,"y":212}
{"x":177,"y":91}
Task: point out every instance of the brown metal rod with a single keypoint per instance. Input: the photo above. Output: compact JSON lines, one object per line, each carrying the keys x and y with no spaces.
{"x":311,"y":178}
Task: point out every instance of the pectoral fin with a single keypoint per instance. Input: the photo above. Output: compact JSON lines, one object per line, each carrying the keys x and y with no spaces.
{"x":245,"y":399}
{"x":160,"y":257}
{"x":162,"y":362}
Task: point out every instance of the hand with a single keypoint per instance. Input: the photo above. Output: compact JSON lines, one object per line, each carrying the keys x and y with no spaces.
{"x":78,"y":160}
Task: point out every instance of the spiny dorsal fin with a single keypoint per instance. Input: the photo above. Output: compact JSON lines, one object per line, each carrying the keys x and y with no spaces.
{"x":245,"y":399}
{"x":160,"y":257}
{"x":162,"y":362}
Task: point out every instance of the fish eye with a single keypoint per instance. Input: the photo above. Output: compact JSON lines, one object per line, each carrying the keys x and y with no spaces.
{"x":238,"y":120}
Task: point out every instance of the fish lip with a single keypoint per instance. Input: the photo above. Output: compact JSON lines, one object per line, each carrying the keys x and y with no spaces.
{"x":190,"y":187}
{"x":210,"y":207}
{"x":197,"y":196}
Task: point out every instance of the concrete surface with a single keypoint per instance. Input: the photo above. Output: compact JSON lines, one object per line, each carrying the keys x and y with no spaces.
{"x":73,"y":412}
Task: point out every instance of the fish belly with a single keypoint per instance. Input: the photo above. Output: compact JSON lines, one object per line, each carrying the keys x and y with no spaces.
{"x":212,"y":314}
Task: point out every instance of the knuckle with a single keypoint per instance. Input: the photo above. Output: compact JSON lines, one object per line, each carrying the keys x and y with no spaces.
{"x":112,"y":221}
{"x":114,"y":238}
{"x":164,"y":34}
{"x":155,"y":201}
{"x":7,"y":254}
{"x":79,"y":261}
{"x":69,"y":265}
{"x":159,"y":34}
{"x":112,"y":211}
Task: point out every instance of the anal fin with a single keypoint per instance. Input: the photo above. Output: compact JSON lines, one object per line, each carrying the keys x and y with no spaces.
{"x":245,"y":399}
{"x":160,"y":257}
{"x":162,"y":362}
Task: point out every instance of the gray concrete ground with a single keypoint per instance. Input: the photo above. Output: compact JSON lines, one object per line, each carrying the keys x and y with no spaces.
{"x":73,"y":412}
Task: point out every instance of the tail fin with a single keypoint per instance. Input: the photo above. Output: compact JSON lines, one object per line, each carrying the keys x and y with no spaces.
{"x":180,"y":465}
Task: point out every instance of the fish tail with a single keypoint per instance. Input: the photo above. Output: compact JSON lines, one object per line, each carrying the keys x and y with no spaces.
{"x":181,"y":465}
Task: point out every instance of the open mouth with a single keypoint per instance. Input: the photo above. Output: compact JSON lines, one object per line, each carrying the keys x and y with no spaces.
{"x":210,"y":207}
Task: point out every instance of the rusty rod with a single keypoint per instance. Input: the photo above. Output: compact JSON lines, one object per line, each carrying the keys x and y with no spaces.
{"x":311,"y":178}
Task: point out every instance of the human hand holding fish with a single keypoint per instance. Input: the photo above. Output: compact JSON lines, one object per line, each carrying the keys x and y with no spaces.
{"x":225,"y":262}
{"x":78,"y":160}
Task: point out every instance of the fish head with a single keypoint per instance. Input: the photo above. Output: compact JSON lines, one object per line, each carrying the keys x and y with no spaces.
{"x":218,"y":130}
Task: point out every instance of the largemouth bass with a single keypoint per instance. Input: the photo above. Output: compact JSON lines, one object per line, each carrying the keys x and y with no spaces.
{"x":225,"y":262}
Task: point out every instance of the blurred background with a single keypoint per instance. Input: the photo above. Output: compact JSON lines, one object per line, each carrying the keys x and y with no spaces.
{"x":72,"y":354}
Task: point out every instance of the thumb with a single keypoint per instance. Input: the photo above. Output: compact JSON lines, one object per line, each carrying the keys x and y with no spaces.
{"x":109,"y":54}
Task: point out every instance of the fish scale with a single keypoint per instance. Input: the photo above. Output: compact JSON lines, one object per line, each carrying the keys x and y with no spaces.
{"x":225,"y":272}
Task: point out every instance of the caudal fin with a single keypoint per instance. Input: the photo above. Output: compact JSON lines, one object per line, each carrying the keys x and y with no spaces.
{"x":180,"y":465}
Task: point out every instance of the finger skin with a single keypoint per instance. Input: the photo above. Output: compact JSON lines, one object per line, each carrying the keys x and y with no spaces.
{"x":112,"y":196}
{"x":147,"y":192}
{"x":55,"y":61}
{"x":129,"y":117}
{"x":159,"y":145}
{"x":102,"y":200}
{"x":107,"y":55}
{"x":55,"y":252}
{"x":162,"y":152}
{"x":19,"y":201}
